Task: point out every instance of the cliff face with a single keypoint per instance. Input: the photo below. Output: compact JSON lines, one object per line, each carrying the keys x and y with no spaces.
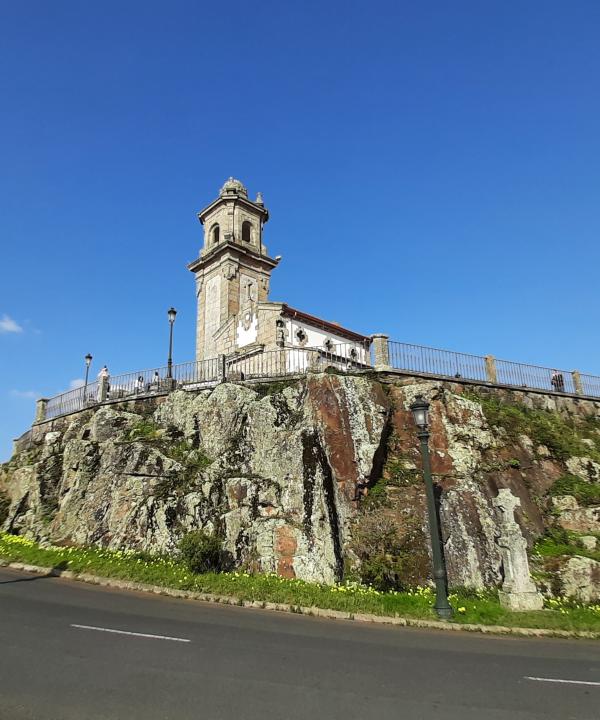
{"x":317,"y":478}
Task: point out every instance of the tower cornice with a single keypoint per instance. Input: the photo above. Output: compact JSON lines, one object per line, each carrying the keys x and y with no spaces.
{"x":229,"y":248}
{"x":238,"y":199}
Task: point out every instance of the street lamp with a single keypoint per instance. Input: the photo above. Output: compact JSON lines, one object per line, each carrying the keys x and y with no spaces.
{"x":88,"y":362}
{"x":443,"y":609}
{"x":171,"y":313}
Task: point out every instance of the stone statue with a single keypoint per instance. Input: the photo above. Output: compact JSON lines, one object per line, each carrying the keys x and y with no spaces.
{"x":518,"y":591}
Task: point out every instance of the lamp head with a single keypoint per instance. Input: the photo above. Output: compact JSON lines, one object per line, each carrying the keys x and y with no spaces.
{"x":171,"y":312}
{"x":88,"y":359}
{"x":420,"y":409}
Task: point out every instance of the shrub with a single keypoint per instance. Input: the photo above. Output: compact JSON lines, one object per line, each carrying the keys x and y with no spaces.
{"x":202,"y":552}
{"x":393,"y":555}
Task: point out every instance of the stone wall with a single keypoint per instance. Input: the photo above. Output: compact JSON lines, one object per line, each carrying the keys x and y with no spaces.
{"x":319,"y":478}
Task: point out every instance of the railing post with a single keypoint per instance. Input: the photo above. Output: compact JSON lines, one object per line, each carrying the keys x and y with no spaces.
{"x":102,"y":388}
{"x":222,"y":368}
{"x":490,"y":369}
{"x":381,"y":349}
{"x":576,"y":375}
{"x":40,"y":410}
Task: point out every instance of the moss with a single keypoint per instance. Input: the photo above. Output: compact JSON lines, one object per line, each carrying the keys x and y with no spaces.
{"x":273,"y":388}
{"x":143,"y":431}
{"x":563,"y":436}
{"x":395,"y":473}
{"x":585,"y":493}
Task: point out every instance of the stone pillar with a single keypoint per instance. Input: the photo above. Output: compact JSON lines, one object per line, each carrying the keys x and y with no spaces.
{"x":381,"y":350}
{"x":40,"y":410}
{"x":490,"y":369}
{"x":576,"y":375}
{"x":103,"y":385}
{"x":222,"y":368}
{"x":518,"y":591}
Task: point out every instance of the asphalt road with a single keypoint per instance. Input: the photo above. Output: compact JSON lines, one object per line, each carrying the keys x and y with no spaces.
{"x":219,"y":662}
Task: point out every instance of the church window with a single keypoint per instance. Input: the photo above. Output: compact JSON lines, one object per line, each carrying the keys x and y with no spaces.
{"x":301,"y":337}
{"x":215,"y":232}
{"x":246,"y":231}
{"x":328,"y":345}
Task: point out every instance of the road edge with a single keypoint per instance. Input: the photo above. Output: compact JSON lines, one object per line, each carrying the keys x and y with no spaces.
{"x":299,"y":609}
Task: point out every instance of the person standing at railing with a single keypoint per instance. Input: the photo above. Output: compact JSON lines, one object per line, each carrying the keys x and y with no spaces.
{"x":103,"y":382}
{"x":139,"y":386}
{"x":557,"y":381}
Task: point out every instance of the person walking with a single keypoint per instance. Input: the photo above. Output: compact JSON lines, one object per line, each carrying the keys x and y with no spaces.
{"x":557,"y":381}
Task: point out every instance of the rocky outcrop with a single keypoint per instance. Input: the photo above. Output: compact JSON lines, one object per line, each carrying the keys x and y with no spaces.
{"x":302,"y":477}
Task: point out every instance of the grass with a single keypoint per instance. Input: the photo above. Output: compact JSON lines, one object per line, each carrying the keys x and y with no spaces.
{"x":584,"y":492}
{"x":562,"y":542}
{"x":470,"y":606}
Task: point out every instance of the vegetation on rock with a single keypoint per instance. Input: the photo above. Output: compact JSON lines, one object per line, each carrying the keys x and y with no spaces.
{"x":202,"y":552}
{"x":585,"y":493}
{"x":391,"y":550}
{"x":4,"y":506}
{"x":563,"y":436}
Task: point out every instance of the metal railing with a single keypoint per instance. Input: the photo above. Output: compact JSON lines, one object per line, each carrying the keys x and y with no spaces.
{"x":445,"y":363}
{"x":129,"y":386}
{"x":432,"y":361}
{"x":348,"y":357}
{"x":590,"y":385}
{"x":205,"y":373}
{"x":533,"y":376}
{"x":344,"y":357}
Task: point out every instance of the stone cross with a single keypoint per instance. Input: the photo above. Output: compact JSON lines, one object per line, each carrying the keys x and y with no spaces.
{"x":518,"y":591}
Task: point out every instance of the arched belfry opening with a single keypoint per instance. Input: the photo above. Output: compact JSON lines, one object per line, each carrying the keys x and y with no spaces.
{"x":215,"y":234}
{"x":247,"y":231}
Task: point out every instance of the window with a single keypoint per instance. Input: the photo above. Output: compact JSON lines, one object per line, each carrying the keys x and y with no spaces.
{"x":215,"y":235}
{"x":246,"y":231}
{"x":301,"y":337}
{"x":328,"y":345}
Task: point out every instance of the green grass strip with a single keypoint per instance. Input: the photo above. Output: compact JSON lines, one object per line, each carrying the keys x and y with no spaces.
{"x":480,"y":607}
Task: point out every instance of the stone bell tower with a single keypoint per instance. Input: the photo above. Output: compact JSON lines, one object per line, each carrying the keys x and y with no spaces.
{"x":233,"y":270}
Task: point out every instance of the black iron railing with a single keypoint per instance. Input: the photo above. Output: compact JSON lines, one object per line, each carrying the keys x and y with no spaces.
{"x":348,"y":357}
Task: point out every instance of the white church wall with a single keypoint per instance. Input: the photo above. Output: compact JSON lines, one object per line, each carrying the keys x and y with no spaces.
{"x":247,"y":329}
{"x":316,"y":338}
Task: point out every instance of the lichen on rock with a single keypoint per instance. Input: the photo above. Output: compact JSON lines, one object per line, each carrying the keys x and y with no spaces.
{"x":298,"y":477}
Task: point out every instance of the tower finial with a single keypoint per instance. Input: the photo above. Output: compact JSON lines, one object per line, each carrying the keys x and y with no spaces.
{"x":259,"y":199}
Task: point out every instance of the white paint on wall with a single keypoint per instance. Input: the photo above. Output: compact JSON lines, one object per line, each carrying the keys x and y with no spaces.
{"x":247,"y":329}
{"x":212,"y":310}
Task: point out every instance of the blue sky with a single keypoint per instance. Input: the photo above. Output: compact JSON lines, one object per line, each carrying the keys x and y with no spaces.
{"x":432,"y":171}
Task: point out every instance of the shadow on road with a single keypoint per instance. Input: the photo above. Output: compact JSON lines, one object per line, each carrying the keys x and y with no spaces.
{"x":55,"y":572}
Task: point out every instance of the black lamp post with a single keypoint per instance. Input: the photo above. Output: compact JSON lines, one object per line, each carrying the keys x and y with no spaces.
{"x":88,"y":362}
{"x":419,"y":410}
{"x":172,"y":313}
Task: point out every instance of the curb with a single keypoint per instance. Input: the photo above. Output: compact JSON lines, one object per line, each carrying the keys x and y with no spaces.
{"x":299,"y":609}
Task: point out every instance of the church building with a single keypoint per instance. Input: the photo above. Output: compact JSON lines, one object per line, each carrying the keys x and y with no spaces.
{"x":235,"y":316}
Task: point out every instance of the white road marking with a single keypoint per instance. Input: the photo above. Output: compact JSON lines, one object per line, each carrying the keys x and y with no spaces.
{"x":558,"y":680}
{"x":126,"y":632}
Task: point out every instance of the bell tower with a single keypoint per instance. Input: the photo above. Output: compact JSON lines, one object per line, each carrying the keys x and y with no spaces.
{"x":233,"y":270}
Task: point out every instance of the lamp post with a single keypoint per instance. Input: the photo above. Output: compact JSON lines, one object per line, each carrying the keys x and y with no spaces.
{"x":88,"y":362}
{"x":171,"y":313}
{"x":443,"y":609}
